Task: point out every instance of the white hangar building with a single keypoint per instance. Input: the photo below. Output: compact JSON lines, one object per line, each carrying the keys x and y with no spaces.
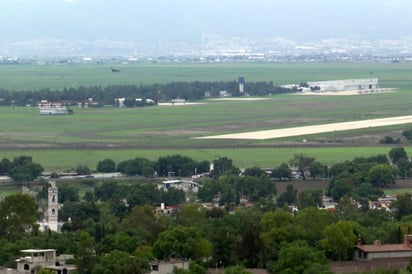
{"x":349,"y":84}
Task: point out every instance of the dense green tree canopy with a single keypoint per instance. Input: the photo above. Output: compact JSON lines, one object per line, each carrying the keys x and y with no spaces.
{"x":381,"y":175}
{"x":117,"y":229}
{"x":402,"y":206}
{"x":340,"y":239}
{"x":254,"y":171}
{"x":120,"y":262}
{"x":313,"y":222}
{"x":68,"y":193}
{"x":143,"y":222}
{"x":85,"y":256}
{"x":289,"y":197}
{"x":106,"y":165}
{"x":106,"y":95}
{"x":138,"y":166}
{"x":17,"y":217}
{"x":237,"y":269}
{"x":182,"y":242}
{"x":296,"y":258}
{"x":178,"y":165}
{"x":339,"y":187}
{"x":282,"y":172}
{"x":397,"y":153}
{"x":22,"y":169}
{"x":223,"y":165}
{"x":310,"y":198}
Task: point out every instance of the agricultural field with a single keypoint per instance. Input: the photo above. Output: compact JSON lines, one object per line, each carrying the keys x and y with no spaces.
{"x":93,"y":134}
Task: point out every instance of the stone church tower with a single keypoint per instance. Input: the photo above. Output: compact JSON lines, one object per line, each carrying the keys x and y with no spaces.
{"x":53,"y":207}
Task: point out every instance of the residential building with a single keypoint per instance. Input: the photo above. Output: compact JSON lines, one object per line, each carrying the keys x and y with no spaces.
{"x":166,"y":267}
{"x":384,"y":251}
{"x":33,"y":259}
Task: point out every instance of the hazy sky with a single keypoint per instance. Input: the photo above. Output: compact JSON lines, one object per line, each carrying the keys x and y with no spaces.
{"x":187,"y":20}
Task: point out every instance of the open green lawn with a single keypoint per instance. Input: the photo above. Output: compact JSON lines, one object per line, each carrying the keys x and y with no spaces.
{"x":92,"y":134}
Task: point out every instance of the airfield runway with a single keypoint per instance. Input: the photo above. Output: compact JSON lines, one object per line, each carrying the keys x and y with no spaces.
{"x":315,"y":129}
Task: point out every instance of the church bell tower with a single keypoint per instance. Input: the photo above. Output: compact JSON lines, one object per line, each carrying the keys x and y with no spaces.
{"x":53,"y":207}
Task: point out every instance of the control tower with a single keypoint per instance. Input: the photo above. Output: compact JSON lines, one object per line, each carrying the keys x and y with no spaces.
{"x":241,"y":82}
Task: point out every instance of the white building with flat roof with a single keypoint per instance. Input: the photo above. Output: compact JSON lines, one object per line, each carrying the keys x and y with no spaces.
{"x":34,"y":259}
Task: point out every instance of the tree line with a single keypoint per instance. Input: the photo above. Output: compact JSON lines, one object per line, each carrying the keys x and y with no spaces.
{"x":158,"y":92}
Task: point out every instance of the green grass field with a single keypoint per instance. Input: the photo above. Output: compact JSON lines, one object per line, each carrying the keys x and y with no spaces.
{"x":34,"y":77}
{"x":93,"y":134}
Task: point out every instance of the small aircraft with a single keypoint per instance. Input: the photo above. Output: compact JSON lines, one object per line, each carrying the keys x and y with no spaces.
{"x":115,"y":70}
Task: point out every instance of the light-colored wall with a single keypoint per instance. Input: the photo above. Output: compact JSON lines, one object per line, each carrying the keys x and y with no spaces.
{"x":393,"y":254}
{"x":167,"y":267}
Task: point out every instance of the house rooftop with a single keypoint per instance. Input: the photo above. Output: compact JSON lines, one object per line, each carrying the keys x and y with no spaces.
{"x":36,"y":250}
{"x":384,"y":248}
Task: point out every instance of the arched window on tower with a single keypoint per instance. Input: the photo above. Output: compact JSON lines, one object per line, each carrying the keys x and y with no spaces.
{"x":53,"y":198}
{"x":53,"y":211}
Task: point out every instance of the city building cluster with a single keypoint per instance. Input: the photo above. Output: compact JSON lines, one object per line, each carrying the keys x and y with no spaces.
{"x":212,"y":48}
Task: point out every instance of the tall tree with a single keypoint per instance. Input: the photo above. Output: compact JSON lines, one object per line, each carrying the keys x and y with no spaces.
{"x":404,"y":168}
{"x":339,"y":239}
{"x":282,"y":172}
{"x":221,"y":166}
{"x":106,"y":165}
{"x":296,"y":258}
{"x":23,"y":169}
{"x":397,"y":153}
{"x":85,"y":256}
{"x":182,"y":242}
{"x":302,"y":163}
{"x":310,"y":198}
{"x":402,"y":206}
{"x":339,"y":187}
{"x":120,"y":262}
{"x":254,"y":171}
{"x":381,"y":175}
{"x":313,"y":222}
{"x":68,"y":193}
{"x":317,"y":170}
{"x":191,"y":215}
{"x":289,"y":197}
{"x":17,"y":216}
{"x":143,"y":223}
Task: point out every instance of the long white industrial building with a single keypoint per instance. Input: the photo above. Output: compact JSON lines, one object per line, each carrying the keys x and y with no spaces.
{"x":349,"y":84}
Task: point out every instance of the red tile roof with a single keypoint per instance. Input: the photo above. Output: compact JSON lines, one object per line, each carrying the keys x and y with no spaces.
{"x":384,"y":248}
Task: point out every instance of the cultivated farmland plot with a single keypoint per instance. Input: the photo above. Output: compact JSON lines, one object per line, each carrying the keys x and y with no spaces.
{"x":90,"y":135}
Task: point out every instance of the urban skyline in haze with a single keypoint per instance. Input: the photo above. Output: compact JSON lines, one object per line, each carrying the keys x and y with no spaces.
{"x":131,"y":27}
